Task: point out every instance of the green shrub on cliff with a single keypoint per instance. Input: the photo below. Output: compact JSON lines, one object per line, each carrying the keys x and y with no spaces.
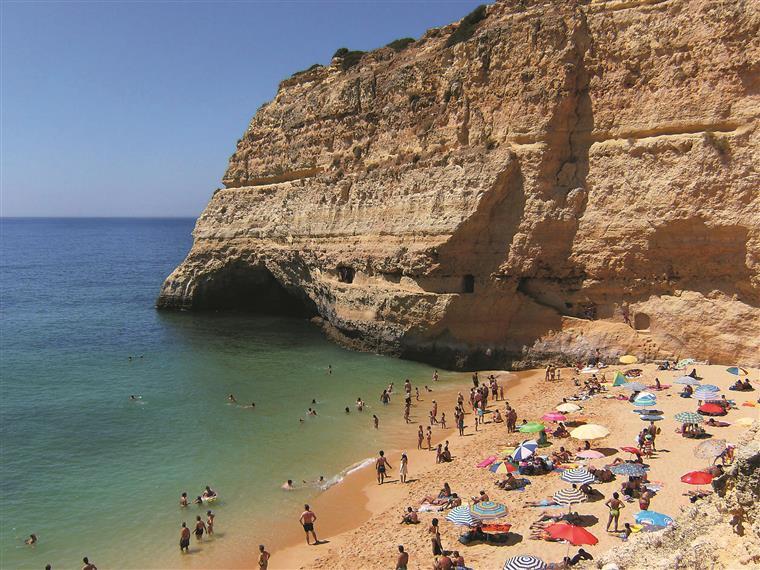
{"x":401,"y":44}
{"x":468,"y":26}
{"x":349,"y":58}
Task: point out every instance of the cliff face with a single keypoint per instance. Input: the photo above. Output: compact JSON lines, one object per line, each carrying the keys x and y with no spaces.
{"x":510,"y":197}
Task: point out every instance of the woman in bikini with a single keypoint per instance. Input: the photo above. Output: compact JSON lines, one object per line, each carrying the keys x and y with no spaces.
{"x":614,"y":504}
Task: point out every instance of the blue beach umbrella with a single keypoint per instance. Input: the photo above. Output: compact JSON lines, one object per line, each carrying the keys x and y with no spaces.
{"x":710,"y":387}
{"x":654,"y":518}
{"x":524,"y":562}
{"x":651,"y":418}
{"x":687,"y":380}
{"x":462,"y":516}
{"x":579,"y":475}
{"x":736,"y":370}
{"x":628,"y":469}
{"x":524,"y":450}
{"x":645,"y":400}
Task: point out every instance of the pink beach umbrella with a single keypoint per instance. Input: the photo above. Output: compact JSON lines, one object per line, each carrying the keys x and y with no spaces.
{"x":590,"y":454}
{"x":554,"y":417}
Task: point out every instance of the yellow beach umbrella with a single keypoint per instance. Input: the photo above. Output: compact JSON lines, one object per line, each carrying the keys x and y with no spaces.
{"x":628,"y":359}
{"x":568,"y":408}
{"x":744,"y":422}
{"x":590,"y":431}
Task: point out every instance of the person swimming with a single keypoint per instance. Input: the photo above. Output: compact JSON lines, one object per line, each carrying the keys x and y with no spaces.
{"x":32,"y":540}
{"x":288,"y":485}
{"x":231,"y":399}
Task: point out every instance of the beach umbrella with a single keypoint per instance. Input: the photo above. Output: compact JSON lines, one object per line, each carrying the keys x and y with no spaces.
{"x":736,"y":370}
{"x":710,"y":409}
{"x":652,"y":517}
{"x":487,"y":510}
{"x":531,"y":427}
{"x":501,"y":467}
{"x":697,"y":478}
{"x":709,"y":387}
{"x":578,"y":475}
{"x":618,"y":379}
{"x":689,"y":418}
{"x":710,"y":449}
{"x":589,"y":370}
{"x":462,"y":516}
{"x":645,"y":400}
{"x":524,"y":450}
{"x":634,"y":450}
{"x":687,"y":380}
{"x":575,"y":535}
{"x":746,"y":422}
{"x":589,"y":432}
{"x":554,"y":417}
{"x":590,"y":454}
{"x":628,"y":469}
{"x":524,"y":562}
{"x":683,"y":363}
{"x":651,"y":418}
{"x":634,"y":387}
{"x":705,"y":395}
{"x":568,"y":408}
{"x":648,"y":412}
{"x":628,"y":359}
{"x":568,"y":496}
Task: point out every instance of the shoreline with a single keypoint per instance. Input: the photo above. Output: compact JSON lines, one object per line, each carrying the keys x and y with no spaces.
{"x":359,"y":519}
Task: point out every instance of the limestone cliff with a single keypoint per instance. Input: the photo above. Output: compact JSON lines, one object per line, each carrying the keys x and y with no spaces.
{"x":507,"y":189}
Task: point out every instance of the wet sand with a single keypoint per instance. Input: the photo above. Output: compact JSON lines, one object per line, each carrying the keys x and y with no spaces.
{"x":359,"y":519}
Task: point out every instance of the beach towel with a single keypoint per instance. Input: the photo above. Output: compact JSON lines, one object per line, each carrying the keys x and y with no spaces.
{"x":486,"y":462}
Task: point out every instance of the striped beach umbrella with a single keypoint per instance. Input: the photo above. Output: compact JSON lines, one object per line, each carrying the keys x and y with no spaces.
{"x":524,"y":562}
{"x":651,"y":418}
{"x":568,"y":496}
{"x":462,"y":516}
{"x":689,"y":418}
{"x":710,"y":387}
{"x":634,"y":386}
{"x":502,"y":467}
{"x":487,"y":510}
{"x":645,"y":399}
{"x":578,"y":475}
{"x":736,"y":370}
{"x":705,"y":395}
{"x":686,"y":380}
{"x":628,"y":469}
{"x":524,"y":450}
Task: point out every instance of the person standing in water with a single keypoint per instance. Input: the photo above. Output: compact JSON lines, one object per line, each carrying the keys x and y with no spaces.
{"x":263,"y":557}
{"x":200,"y":528}
{"x":231,"y":399}
{"x":88,"y":565}
{"x":210,"y":516}
{"x":376,"y":421}
{"x":381,"y":465}
{"x":183,"y":499}
{"x":403,"y":468}
{"x":184,"y":539}
{"x":307,"y":520}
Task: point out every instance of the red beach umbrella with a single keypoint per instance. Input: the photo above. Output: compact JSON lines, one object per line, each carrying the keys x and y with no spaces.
{"x":711,"y":409}
{"x":697,"y":478}
{"x":575,"y":535}
{"x":633,"y":450}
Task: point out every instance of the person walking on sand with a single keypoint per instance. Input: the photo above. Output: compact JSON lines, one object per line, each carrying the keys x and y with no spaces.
{"x":429,"y":437}
{"x":407,"y":409}
{"x":443,"y":420}
{"x":184,"y":539}
{"x":460,"y":423}
{"x":614,"y":505}
{"x":417,"y":393}
{"x":263,"y":558}
{"x":402,"y":562}
{"x":403,"y":468}
{"x":435,"y":376}
{"x":307,"y":520}
{"x":420,"y":437}
{"x":381,"y":465}
{"x":88,"y":565}
{"x":375,"y":421}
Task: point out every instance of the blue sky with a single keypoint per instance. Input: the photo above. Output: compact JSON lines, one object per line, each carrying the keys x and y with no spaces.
{"x":132,"y":109}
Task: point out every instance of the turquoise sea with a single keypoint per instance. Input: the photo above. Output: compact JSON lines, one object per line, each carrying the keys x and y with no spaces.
{"x":94,"y":474}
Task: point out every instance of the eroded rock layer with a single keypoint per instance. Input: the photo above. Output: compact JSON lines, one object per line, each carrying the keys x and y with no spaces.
{"x":572,"y":176}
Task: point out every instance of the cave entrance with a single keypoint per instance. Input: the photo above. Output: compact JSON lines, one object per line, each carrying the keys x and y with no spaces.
{"x":346,"y":274}
{"x":641,"y":321}
{"x":253,"y":289}
{"x":468,"y":284}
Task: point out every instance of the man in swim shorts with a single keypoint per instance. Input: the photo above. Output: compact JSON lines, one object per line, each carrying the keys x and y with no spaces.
{"x":403,"y":559}
{"x":307,"y":521}
{"x":184,"y":538}
{"x":381,"y":465}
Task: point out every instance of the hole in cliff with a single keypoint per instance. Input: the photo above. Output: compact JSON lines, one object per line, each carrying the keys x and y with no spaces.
{"x":641,"y":321}
{"x":246,"y":288}
{"x":468,"y":284}
{"x":346,"y":274}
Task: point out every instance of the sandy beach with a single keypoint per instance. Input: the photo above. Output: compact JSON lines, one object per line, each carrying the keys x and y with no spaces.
{"x":359,"y":520}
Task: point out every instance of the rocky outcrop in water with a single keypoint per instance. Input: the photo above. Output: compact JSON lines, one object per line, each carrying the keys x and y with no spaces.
{"x":543,"y":178}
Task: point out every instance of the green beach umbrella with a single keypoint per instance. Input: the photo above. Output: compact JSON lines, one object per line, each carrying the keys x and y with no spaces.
{"x":531,"y":427}
{"x":618,"y":379}
{"x":689,"y":418}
